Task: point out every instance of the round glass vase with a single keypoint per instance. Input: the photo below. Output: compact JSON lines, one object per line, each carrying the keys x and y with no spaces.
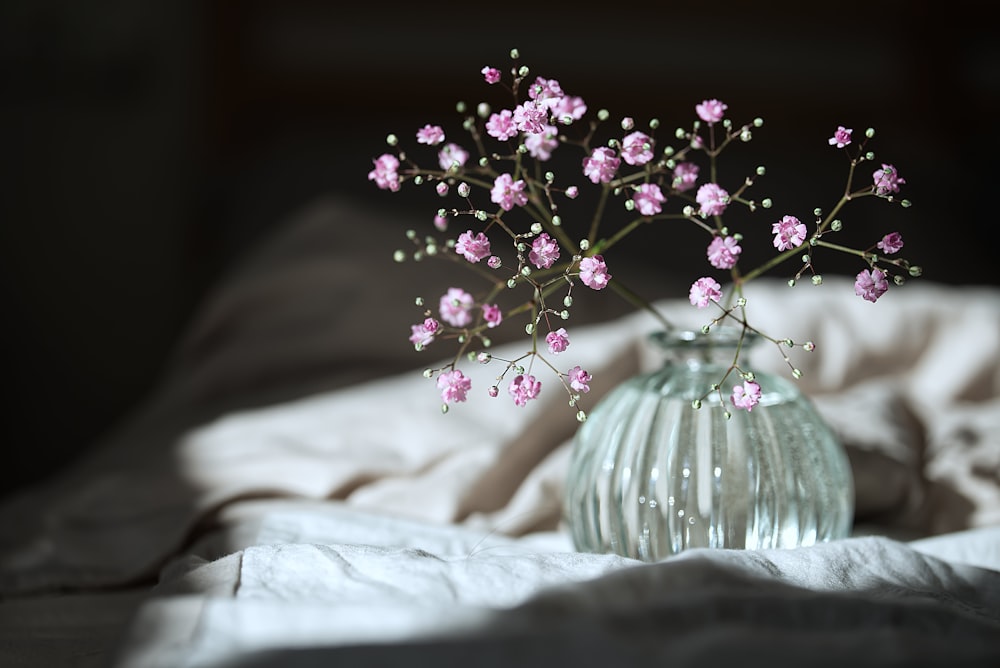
{"x":651,"y":475}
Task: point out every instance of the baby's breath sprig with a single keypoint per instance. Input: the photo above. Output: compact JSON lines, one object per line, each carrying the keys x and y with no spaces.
{"x":532,"y":154}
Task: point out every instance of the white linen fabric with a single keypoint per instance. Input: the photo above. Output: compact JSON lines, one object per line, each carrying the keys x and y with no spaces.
{"x":294,"y":467}
{"x":329,"y":583}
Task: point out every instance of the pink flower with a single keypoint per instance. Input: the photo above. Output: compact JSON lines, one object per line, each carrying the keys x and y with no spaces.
{"x":723,"y":252}
{"x":494,"y":262}
{"x":891,"y":243}
{"x":441,"y":222}
{"x":491,"y":75}
{"x":385,"y":175}
{"x":637,"y":148}
{"x":648,"y":199}
{"x":886,"y":180}
{"x":569,"y":108}
{"x":841,"y":138}
{"x":746,"y":396}
{"x":685,"y":176}
{"x":454,"y":307}
{"x":474,"y":248}
{"x":704,"y":290}
{"x":501,"y":126}
{"x":441,"y":188}
{"x":711,"y":111}
{"x":594,"y":272}
{"x":541,"y":144}
{"x":712,"y":199}
{"x":601,"y":165}
{"x":432,"y":135}
{"x":870,"y":285}
{"x":572,"y":192}
{"x":788,"y":233}
{"x":557,"y":340}
{"x":523,"y":388}
{"x":452,"y":155}
{"x":422,"y":334}
{"x":530,"y":117}
{"x":546,"y":91}
{"x":508,"y":193}
{"x":492,"y":315}
{"x":454,"y":386}
{"x":579,"y":380}
{"x":544,"y":251}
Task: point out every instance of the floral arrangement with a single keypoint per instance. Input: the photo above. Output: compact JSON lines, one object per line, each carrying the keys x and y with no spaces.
{"x":518,"y":242}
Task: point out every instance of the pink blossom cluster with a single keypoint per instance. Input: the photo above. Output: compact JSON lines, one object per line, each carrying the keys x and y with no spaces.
{"x":532,"y":155}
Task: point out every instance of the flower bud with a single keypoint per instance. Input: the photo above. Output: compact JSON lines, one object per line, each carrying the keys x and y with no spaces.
{"x":817,"y":279}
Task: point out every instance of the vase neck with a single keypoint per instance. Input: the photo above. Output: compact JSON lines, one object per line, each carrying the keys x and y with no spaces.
{"x":697,"y":349}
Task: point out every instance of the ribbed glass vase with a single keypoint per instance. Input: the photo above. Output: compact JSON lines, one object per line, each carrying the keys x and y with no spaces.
{"x":651,"y":475}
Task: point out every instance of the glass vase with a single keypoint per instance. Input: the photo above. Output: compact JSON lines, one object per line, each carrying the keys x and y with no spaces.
{"x":651,"y":474}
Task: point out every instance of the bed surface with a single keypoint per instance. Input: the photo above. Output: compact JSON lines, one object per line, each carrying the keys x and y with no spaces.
{"x":292,"y":495}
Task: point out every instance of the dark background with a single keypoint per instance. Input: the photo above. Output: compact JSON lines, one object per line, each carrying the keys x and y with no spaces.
{"x":145,"y":146}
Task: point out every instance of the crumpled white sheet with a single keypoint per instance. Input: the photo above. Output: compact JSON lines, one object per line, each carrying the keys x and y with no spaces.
{"x":324,"y":582}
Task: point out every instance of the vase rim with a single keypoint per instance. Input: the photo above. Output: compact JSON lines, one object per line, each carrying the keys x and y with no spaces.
{"x":693,"y":338}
